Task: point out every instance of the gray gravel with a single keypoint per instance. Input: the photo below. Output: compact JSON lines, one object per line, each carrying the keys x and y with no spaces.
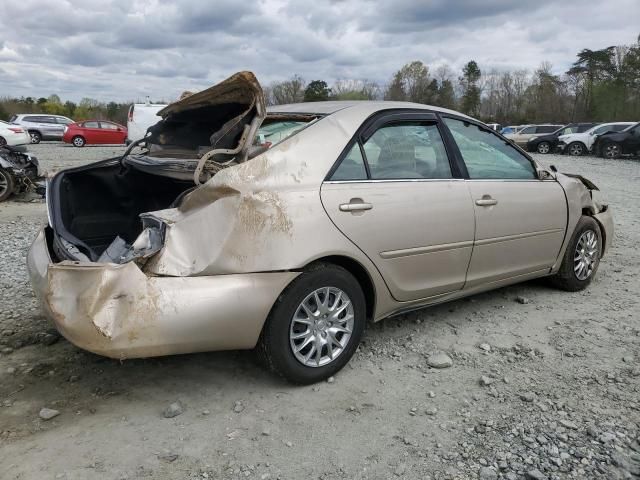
{"x":547,"y":388}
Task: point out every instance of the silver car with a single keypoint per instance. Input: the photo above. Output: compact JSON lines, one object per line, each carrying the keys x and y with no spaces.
{"x":358,"y":211}
{"x":42,"y":126}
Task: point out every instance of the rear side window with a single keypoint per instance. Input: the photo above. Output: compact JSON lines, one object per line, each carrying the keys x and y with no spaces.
{"x":63,"y":121}
{"x":487,"y":156}
{"x":108,"y":126}
{"x":546,"y":129}
{"x":352,"y":166}
{"x":528,"y":130}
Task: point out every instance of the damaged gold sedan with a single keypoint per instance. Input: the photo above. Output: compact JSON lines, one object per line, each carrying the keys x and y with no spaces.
{"x":290,"y":229}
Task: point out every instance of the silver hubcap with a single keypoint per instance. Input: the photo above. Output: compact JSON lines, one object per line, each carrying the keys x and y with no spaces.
{"x":611,"y":151}
{"x":543,"y":148}
{"x":4,"y":183}
{"x":34,"y":138}
{"x":77,"y":142}
{"x":321,"y":327}
{"x":575,"y":149}
{"x":585,"y":258}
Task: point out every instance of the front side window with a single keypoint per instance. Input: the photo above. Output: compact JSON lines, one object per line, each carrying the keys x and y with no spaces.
{"x":487,"y":156}
{"x":528,"y":130}
{"x":407,"y":150}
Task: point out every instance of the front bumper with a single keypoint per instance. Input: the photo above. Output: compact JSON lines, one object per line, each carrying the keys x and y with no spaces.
{"x":119,"y":312}
{"x":561,"y":147}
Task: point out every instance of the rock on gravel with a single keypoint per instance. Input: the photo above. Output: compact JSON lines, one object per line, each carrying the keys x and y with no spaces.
{"x":48,"y":413}
{"x":439,"y":360}
{"x":173,"y":410}
{"x":487,"y":473}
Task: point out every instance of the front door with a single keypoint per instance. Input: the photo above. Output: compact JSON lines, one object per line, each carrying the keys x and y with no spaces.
{"x":395,"y":197}
{"x":520,"y":220}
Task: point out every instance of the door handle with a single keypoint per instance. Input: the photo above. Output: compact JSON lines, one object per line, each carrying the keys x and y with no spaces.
{"x":486,"y":201}
{"x":355,"y":206}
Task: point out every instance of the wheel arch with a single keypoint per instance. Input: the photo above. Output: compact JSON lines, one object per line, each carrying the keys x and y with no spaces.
{"x":360,"y":273}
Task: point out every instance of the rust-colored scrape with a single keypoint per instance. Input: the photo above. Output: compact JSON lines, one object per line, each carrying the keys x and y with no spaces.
{"x":263,"y":210}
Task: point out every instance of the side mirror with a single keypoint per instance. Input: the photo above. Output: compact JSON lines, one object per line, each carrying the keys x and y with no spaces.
{"x":545,"y":174}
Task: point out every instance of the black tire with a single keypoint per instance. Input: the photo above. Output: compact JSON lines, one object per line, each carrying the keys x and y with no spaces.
{"x":611,"y":150}
{"x":78,"y":141}
{"x":544,"y":148}
{"x":566,"y":278}
{"x":3,"y":141}
{"x":36,"y":137}
{"x":274,"y":348}
{"x":7,"y":184}
{"x":576,"y":149}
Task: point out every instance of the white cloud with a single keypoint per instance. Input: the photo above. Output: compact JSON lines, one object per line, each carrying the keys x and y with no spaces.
{"x":127,"y":49}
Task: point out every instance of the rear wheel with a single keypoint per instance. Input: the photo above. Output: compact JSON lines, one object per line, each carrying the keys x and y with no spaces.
{"x":544,"y":147}
{"x":576,"y":149}
{"x":7,"y":184}
{"x":611,"y":150}
{"x":35,"y":136}
{"x":582,"y":257}
{"x":315,"y":326}
{"x":78,"y":141}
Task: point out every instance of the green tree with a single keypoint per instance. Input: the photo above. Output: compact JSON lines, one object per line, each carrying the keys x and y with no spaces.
{"x":470,"y":90}
{"x":317,"y":91}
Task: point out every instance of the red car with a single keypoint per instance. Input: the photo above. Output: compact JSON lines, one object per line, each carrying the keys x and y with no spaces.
{"x":94,"y":132}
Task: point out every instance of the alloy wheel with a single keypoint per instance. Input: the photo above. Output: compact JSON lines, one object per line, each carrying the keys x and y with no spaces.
{"x":321,"y":327}
{"x":611,"y":150}
{"x":585,"y":257}
{"x":4,"y":183}
{"x":575,"y":149}
{"x":543,"y":147}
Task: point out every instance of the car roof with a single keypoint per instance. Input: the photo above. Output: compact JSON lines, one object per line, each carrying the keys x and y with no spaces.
{"x":327,"y":108}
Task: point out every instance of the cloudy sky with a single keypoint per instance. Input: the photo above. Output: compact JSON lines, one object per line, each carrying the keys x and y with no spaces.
{"x":127,"y":49}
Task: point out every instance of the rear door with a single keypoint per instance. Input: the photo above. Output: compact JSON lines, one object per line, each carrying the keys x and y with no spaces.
{"x":520,"y":220}
{"x":111,"y":133}
{"x":632,"y":144}
{"x":92,"y":132}
{"x":396,"y":195}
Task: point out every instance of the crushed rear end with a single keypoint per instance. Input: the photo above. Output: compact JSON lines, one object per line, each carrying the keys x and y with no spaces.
{"x":89,"y":266}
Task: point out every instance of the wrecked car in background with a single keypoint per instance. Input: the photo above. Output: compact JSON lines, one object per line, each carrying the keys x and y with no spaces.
{"x":209,"y":240}
{"x":18,"y":171}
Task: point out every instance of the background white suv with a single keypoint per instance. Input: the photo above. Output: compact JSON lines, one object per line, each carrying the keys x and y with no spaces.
{"x":580,"y":143}
{"x":41,"y":126}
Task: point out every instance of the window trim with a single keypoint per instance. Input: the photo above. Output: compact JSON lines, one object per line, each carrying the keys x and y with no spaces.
{"x":383,"y":118}
{"x":483,"y":127}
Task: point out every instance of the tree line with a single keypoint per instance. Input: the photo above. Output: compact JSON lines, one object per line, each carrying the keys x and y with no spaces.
{"x":601,"y":85}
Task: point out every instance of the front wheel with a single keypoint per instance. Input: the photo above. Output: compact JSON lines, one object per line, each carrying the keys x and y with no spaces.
{"x":7,"y":184}
{"x":576,"y":149}
{"x":582,"y":257}
{"x":544,"y":147}
{"x":611,"y":150}
{"x":315,"y":326}
{"x":78,"y":141}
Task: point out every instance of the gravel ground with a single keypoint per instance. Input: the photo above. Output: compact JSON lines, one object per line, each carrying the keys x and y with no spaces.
{"x":543,"y":384}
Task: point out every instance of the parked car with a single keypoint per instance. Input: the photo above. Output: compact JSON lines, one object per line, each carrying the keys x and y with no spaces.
{"x":372,"y":209}
{"x":512,"y":129}
{"x":548,"y":143}
{"x":615,"y":144}
{"x":141,"y":117}
{"x":94,"y":132}
{"x":577,"y":144}
{"x":522,"y":136}
{"x":42,"y":126}
{"x":18,"y":171}
{"x":495,"y":126}
{"x":13,"y":135}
